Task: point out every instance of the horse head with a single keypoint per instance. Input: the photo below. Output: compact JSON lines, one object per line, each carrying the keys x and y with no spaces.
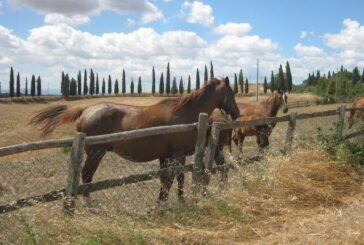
{"x":283,"y":100}
{"x":228,"y":103}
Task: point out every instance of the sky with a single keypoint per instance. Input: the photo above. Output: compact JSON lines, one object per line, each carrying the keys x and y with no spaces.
{"x":46,"y":37}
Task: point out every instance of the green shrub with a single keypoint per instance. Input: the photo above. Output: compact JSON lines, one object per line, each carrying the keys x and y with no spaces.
{"x":343,"y":151}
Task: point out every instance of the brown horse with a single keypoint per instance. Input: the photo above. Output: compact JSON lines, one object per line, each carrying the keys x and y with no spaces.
{"x":262,"y":133}
{"x":106,"y":118}
{"x":356,"y":114}
{"x":266,"y":108}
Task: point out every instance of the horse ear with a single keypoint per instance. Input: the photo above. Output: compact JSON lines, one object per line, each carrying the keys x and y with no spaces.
{"x":227,"y":82}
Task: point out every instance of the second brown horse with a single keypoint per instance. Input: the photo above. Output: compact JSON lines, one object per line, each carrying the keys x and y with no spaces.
{"x":266,"y":108}
{"x":106,"y":118}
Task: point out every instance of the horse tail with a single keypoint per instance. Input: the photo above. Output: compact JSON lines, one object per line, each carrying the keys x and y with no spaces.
{"x":54,"y":116}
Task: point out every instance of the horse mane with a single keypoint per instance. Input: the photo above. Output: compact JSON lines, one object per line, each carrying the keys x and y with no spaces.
{"x":190,"y":99}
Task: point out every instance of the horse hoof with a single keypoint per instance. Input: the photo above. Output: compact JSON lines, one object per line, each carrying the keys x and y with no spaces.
{"x":89,"y":203}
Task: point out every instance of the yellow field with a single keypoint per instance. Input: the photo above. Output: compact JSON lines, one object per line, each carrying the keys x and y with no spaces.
{"x":301,"y":198}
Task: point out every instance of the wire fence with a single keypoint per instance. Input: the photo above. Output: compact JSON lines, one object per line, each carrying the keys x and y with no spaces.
{"x":39,"y":172}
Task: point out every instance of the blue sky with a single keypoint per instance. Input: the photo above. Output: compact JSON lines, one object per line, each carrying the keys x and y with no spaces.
{"x":45,"y":37}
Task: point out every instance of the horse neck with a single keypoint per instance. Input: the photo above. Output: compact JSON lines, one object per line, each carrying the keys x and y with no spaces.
{"x":203,"y":103}
{"x":271,"y":108}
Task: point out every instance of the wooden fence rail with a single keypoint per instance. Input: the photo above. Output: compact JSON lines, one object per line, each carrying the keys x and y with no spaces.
{"x":93,"y":140}
{"x":199,"y":167}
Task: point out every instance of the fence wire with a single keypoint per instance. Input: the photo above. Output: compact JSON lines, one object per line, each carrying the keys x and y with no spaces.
{"x":43,"y":171}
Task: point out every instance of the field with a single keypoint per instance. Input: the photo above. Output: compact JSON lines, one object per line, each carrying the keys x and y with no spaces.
{"x":300,"y":198}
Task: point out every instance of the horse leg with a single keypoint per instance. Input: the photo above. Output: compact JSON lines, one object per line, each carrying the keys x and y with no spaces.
{"x":166,"y":180}
{"x":220,"y":161}
{"x":181,"y":179}
{"x":241,"y":139}
{"x":94,"y":157}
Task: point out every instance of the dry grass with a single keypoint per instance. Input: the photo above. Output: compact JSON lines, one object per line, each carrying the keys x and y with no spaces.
{"x":302,"y":198}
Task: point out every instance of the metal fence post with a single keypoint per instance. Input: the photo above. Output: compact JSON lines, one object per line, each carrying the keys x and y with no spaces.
{"x":74,"y":170}
{"x":290,"y":132}
{"x":340,"y":125}
{"x":198,"y":166}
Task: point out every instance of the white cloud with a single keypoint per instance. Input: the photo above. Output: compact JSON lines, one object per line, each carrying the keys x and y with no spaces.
{"x":303,"y":50}
{"x":351,"y":37}
{"x":152,"y":15}
{"x":130,"y":22}
{"x":231,"y":28}
{"x":70,"y":20}
{"x":146,"y":9}
{"x":199,"y":13}
{"x":303,"y":34}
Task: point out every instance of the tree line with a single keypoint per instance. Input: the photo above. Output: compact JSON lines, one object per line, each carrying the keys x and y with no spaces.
{"x":88,"y":83}
{"x":167,"y":84}
{"x":15,"y":88}
{"x":339,"y":83}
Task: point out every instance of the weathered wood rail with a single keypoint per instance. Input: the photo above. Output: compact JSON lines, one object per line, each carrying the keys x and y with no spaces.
{"x":201,"y":168}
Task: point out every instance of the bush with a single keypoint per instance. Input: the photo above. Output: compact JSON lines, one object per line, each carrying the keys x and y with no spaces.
{"x":343,"y":151}
{"x":326,"y":100}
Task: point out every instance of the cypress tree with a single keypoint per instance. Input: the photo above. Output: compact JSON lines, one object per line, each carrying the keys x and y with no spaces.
{"x":39,"y":86}
{"x":62,"y":85}
{"x":356,"y":75}
{"x":211,"y":70}
{"x":161,"y":84}
{"x":181,"y":88}
{"x":236,"y":89}
{"x":153,"y":81}
{"x":97,"y":84}
{"x":18,"y":85}
{"x":272,"y":85}
{"x":73,"y":87}
{"x":168,"y":80}
{"x":92,"y":82}
{"x":67,"y":85}
{"x":197,"y":79}
{"x":103,"y":87}
{"x":189,"y":84}
{"x":205,"y":77}
{"x":32,"y":86}
{"x":174,"y":89}
{"x":342,"y":68}
{"x":109,"y":85}
{"x":329,"y":75}
{"x":241,"y":81}
{"x":139,"y":85}
{"x":11,"y":82}
{"x":79,"y":81}
{"x":26,"y":87}
{"x":246,"y":86}
{"x":265,"y":86}
{"x":85,"y":86}
{"x":289,"y":82}
{"x":116,"y":87}
{"x":132,"y":87}
{"x":362,"y":77}
{"x":123,"y":83}
{"x":280,"y":78}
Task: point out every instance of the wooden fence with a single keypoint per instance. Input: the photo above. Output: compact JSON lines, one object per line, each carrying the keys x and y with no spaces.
{"x":201,"y":168}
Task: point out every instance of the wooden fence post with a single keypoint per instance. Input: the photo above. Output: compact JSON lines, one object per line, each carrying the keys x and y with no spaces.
{"x":340,"y":124}
{"x":212,"y":145}
{"x":74,"y":170}
{"x":198,"y":166}
{"x":290,"y":132}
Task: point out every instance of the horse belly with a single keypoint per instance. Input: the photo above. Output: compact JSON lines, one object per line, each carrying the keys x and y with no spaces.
{"x":142,"y":150}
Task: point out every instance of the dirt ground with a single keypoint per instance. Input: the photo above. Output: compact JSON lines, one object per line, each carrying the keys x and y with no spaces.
{"x":299,"y":198}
